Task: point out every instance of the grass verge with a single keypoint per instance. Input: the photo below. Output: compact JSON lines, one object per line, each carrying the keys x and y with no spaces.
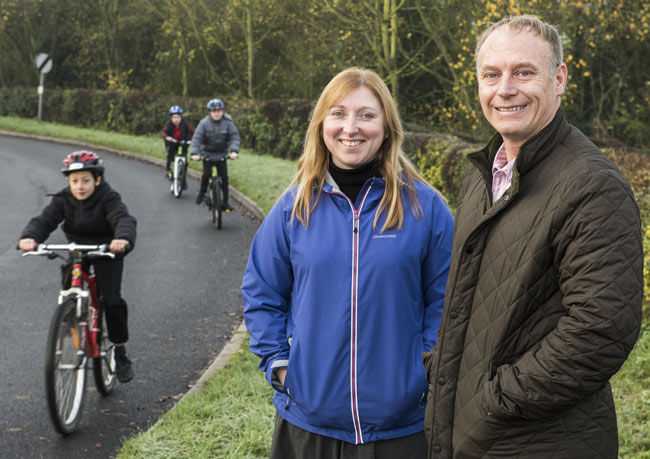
{"x":232,"y":416}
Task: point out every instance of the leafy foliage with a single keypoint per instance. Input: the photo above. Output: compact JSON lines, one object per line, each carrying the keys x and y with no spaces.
{"x":289,"y":49}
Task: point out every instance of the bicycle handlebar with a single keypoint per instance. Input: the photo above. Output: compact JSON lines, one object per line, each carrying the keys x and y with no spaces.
{"x":48,"y":250}
{"x":204,"y":157}
{"x":180,"y":142}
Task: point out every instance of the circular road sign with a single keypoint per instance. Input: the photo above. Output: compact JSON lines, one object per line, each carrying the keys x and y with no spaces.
{"x":43,"y":63}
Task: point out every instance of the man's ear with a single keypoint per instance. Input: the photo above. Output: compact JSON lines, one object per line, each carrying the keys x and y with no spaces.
{"x":561,"y":75}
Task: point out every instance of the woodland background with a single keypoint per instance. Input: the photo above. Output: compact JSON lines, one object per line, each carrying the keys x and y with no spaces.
{"x":120,"y":64}
{"x":258,"y":50}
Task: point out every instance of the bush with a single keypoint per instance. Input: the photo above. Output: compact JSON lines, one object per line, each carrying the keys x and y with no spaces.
{"x":443,"y":164}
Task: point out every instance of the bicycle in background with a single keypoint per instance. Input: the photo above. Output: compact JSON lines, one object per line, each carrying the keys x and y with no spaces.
{"x":76,"y":336}
{"x":212,"y":198}
{"x":178,"y":171}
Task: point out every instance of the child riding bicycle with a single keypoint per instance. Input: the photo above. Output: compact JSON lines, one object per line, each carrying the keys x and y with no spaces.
{"x":176,"y":128}
{"x":92,"y":213}
{"x":215,"y":137}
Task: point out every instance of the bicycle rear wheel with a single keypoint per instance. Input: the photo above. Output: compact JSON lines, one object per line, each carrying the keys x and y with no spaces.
{"x":65,"y":367}
{"x":216,"y":204}
{"x":104,"y":365}
{"x":177,"y":183}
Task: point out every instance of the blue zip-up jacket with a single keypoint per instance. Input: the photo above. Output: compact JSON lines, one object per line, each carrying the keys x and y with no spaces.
{"x":349,"y":311}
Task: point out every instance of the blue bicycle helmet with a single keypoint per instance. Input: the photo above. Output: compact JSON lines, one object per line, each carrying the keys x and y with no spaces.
{"x":175,"y":110}
{"x":215,"y":104}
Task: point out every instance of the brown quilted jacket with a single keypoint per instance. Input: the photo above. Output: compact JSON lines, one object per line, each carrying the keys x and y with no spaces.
{"x":542,"y":307}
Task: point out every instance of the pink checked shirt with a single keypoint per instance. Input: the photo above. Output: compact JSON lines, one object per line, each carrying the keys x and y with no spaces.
{"x":501,"y":174}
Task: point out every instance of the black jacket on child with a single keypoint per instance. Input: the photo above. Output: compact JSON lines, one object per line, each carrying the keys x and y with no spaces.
{"x":98,"y":219}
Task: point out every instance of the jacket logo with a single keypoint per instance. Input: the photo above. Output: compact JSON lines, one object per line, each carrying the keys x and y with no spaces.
{"x":384,"y":236}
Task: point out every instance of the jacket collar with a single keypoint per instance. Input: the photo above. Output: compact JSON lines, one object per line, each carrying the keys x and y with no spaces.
{"x":530,"y":153}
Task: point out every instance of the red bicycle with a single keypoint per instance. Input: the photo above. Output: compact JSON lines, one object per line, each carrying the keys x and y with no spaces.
{"x":77,"y":335}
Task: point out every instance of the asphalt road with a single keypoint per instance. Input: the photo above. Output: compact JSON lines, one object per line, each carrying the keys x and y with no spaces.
{"x":181,"y":283}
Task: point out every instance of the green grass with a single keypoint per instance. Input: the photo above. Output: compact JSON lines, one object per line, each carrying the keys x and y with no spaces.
{"x":232,"y":416}
{"x":631,"y":387}
{"x":262,"y":178}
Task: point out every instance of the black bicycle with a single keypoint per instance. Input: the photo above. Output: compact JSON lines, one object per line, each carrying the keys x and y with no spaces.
{"x":178,"y":172}
{"x":212,"y":198}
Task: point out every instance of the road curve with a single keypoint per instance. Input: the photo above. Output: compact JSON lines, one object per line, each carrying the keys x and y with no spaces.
{"x":181,"y":282}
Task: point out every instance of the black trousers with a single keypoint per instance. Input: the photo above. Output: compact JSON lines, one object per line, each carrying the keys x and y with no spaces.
{"x":108,"y":274}
{"x":172,"y":149}
{"x":222,"y":170}
{"x":291,"y":442}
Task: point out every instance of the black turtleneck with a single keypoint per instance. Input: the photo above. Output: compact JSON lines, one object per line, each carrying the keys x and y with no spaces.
{"x":350,"y":181}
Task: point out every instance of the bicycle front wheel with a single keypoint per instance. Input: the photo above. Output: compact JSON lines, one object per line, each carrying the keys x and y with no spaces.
{"x":104,"y":365}
{"x":65,"y":367}
{"x":216,"y":204}
{"x":177,"y":183}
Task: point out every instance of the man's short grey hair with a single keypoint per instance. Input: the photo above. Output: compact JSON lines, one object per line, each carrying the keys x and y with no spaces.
{"x":532,"y":24}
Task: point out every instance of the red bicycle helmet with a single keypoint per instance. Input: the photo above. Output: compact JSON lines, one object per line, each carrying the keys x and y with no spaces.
{"x":83,"y":161}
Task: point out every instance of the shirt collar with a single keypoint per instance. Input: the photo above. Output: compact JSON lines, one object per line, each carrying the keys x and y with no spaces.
{"x":501,"y":162}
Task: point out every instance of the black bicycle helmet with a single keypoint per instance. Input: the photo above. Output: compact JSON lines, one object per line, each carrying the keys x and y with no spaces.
{"x":83,"y":161}
{"x":215,"y":104}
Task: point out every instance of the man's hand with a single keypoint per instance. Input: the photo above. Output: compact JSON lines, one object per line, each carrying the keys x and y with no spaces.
{"x":118,"y":245}
{"x":195,"y":157}
{"x":27,"y":244}
{"x":234,"y":155}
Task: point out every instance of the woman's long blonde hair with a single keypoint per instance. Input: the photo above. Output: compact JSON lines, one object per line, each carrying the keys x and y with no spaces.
{"x":392,"y":164}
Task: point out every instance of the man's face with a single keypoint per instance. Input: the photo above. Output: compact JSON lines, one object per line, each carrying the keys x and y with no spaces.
{"x":216,"y":114}
{"x":519,"y":91}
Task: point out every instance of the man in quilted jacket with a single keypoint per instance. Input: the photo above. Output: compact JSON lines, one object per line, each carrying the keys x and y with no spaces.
{"x":543,"y":299}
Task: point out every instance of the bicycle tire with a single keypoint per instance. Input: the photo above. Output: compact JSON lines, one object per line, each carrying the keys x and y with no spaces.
{"x":104,"y":365}
{"x":177,"y":184}
{"x":216,"y":200}
{"x":65,"y":368}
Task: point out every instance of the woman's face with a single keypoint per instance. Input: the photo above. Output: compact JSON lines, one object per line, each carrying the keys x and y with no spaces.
{"x":353,"y":129}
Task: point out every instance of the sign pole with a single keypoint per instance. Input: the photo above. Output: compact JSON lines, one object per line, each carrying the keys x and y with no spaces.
{"x":40,"y":96}
{"x":43,"y":65}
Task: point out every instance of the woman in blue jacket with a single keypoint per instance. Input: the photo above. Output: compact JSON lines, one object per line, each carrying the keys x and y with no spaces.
{"x":344,"y":285}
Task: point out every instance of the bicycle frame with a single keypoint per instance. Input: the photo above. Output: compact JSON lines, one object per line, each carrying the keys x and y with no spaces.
{"x":179,"y":163}
{"x":89,"y":296}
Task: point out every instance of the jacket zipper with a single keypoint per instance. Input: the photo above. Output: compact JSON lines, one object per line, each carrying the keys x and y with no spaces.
{"x":354,"y":402}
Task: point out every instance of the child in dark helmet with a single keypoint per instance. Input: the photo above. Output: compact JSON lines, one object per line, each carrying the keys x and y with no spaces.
{"x":216,"y":137}
{"x":175,"y":128}
{"x":92,"y":213}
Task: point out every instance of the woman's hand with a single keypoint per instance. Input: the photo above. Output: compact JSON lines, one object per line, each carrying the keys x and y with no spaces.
{"x":281,"y":373}
{"x":27,"y":245}
{"x":118,"y":245}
